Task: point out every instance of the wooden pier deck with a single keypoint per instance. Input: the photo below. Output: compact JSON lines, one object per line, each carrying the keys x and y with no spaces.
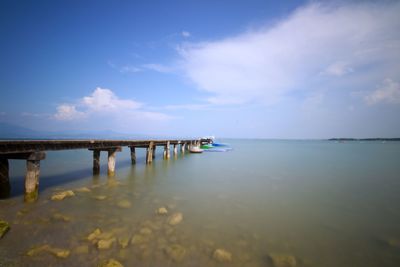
{"x":33,"y":151}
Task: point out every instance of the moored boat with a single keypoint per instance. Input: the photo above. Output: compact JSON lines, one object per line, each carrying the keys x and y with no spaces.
{"x":196,"y":149}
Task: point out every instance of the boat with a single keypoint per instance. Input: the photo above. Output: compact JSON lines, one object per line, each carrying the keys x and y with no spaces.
{"x":196,"y":149}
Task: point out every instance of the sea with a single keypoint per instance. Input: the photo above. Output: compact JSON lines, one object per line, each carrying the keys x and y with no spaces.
{"x":272,"y":203}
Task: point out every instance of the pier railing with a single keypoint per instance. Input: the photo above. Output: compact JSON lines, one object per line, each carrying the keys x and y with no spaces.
{"x":33,"y":151}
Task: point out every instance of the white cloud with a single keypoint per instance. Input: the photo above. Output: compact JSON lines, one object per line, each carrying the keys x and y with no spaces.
{"x":105,"y":100}
{"x":388,"y":92}
{"x":186,"y":34}
{"x":188,"y":107}
{"x":124,"y":69}
{"x":129,"y":69}
{"x":360,"y":42}
{"x":102,"y":104}
{"x":158,"y":67}
{"x":338,"y":69}
{"x":67,"y":112}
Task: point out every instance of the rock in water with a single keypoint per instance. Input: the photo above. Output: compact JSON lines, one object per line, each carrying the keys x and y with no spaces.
{"x":145,"y":231}
{"x":222,"y":255}
{"x":138,"y":239}
{"x":124,"y":204}
{"x":175,"y":218}
{"x":123,"y":242}
{"x":162,"y":211}
{"x":4,"y":227}
{"x":37,"y":250}
{"x":83,"y":190}
{"x":283,"y":260}
{"x":175,"y":252}
{"x":94,"y":234}
{"x":105,"y":243}
{"x":111,"y":263}
{"x":59,"y":253}
{"x":62,"y":195}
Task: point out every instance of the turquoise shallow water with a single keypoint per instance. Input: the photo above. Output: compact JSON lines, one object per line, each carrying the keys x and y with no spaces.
{"x":267,"y":202}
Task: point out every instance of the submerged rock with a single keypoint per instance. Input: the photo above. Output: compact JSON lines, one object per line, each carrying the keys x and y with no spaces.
{"x":175,"y":218}
{"x":283,"y":260}
{"x":124,"y":204}
{"x":222,"y":255}
{"x":175,"y":252}
{"x":138,"y":239}
{"x":58,"y":252}
{"x":105,"y":243}
{"x":101,"y":197}
{"x":94,"y":234}
{"x":105,"y":235}
{"x":60,"y":217}
{"x":4,"y":227}
{"x":61,"y":195}
{"x":162,"y":211}
{"x":123,"y":242}
{"x":83,"y":190}
{"x":146,"y":231}
{"x":37,"y":250}
{"x":111,"y":263}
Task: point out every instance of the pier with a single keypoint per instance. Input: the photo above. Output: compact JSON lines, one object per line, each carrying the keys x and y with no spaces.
{"x":33,"y":151}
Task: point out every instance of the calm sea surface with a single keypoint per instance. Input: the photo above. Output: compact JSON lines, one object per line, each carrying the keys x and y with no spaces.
{"x":268,"y":203}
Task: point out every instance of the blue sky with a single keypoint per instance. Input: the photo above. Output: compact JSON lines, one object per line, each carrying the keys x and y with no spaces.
{"x":253,"y":69}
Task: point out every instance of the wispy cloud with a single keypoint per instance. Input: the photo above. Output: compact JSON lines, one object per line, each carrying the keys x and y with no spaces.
{"x":188,"y":107}
{"x":387,"y":92}
{"x":358,"y":43}
{"x":339,"y":68}
{"x":124,"y":69}
{"x":185,"y":34}
{"x":158,"y":67}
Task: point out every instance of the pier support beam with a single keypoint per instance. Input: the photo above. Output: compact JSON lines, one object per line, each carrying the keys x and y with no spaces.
{"x":149,"y":153}
{"x":153,"y":153}
{"x":32,"y":180}
{"x":175,"y":149}
{"x":183,"y":147}
{"x":133,"y":155}
{"x":5,"y":187}
{"x":112,"y":153}
{"x":167,"y":150}
{"x":96,"y":162}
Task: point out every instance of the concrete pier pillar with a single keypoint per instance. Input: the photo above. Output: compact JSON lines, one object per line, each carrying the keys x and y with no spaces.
{"x":182,"y":147}
{"x":5,"y":187}
{"x":32,"y":180}
{"x":167,"y":150}
{"x":175,"y":149}
{"x":133,"y":155}
{"x":96,"y":162}
{"x":149,"y":153}
{"x":111,"y":162}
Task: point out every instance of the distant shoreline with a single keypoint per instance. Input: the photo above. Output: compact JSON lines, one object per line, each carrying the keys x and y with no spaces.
{"x":364,"y":139}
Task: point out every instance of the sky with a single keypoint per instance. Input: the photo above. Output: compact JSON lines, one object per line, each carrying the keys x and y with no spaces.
{"x":242,"y":69}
